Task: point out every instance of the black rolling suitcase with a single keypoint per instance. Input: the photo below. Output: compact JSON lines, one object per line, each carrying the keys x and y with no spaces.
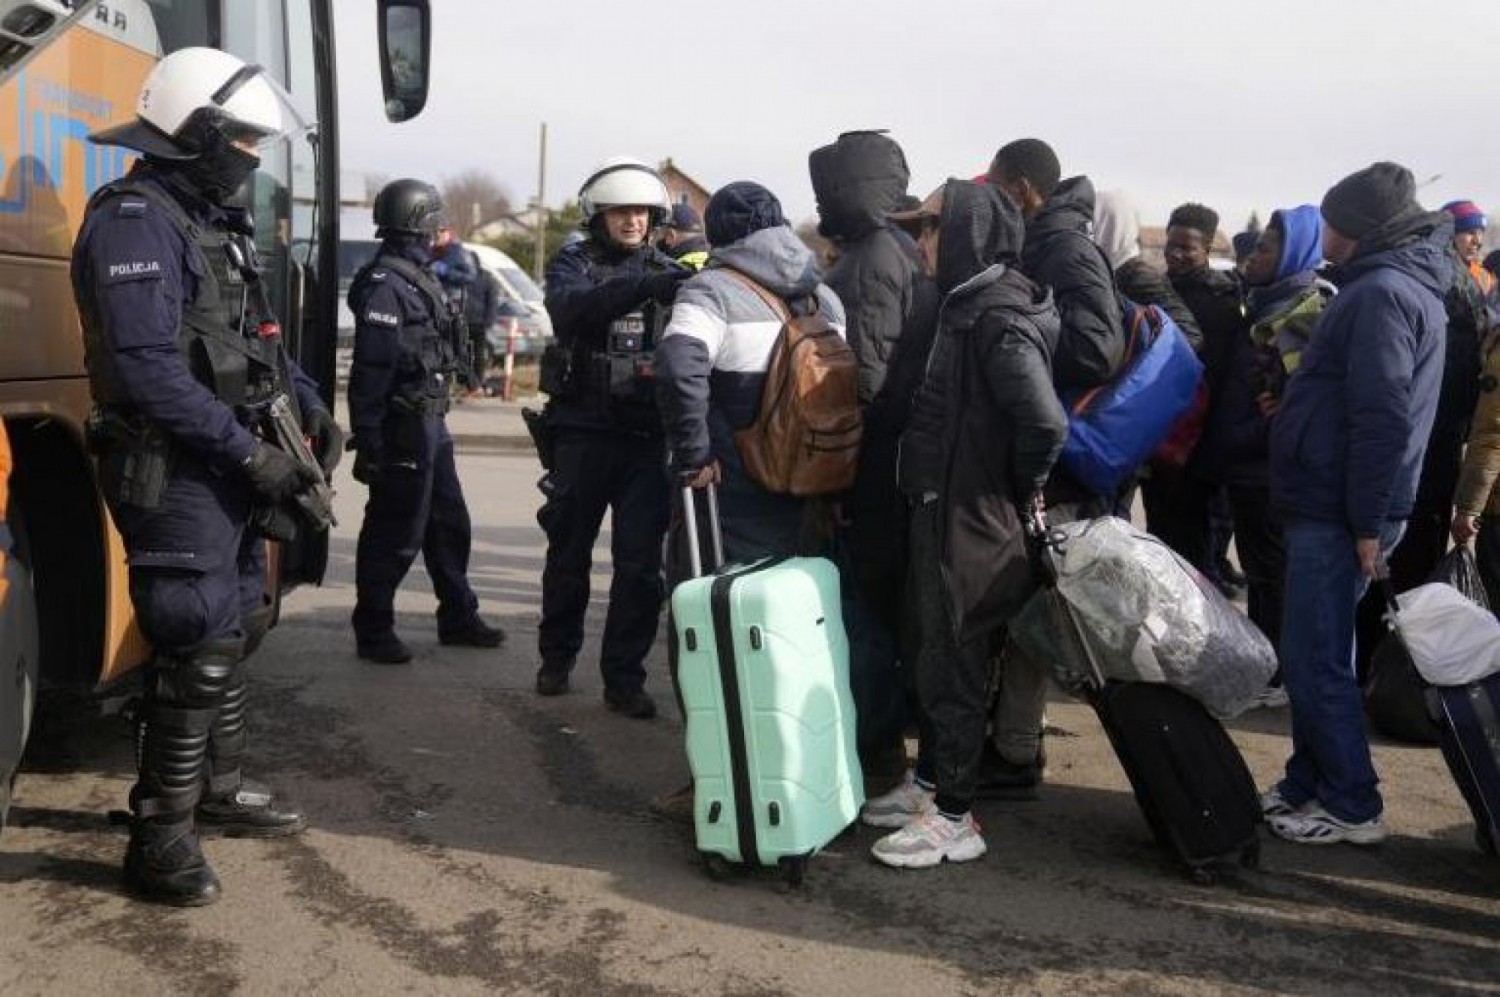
{"x":1188,"y":777}
{"x":1466,"y":720}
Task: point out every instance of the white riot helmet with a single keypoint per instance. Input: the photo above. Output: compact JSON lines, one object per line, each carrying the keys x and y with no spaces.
{"x":194,"y":89}
{"x":621,"y":182}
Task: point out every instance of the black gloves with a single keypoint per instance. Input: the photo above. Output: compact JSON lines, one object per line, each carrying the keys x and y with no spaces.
{"x":276,"y":476}
{"x":663,"y":286}
{"x":327,"y":439}
{"x":366,"y":466}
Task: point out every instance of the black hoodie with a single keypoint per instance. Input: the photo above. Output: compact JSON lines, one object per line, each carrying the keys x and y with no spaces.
{"x":986,"y":426}
{"x":1060,"y":254}
{"x":859,"y":180}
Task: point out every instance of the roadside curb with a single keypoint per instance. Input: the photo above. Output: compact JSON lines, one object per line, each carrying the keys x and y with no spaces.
{"x":491,"y":443}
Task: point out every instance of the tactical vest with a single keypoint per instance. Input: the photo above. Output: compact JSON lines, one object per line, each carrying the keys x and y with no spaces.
{"x":434,"y":347}
{"x":219,"y":339}
{"x":618,"y":376}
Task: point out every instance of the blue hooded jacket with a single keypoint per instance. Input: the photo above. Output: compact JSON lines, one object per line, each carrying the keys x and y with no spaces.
{"x":1241,"y":429}
{"x":1347,"y":442}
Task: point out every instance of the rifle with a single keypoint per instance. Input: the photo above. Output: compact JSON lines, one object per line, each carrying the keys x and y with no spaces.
{"x":281,"y":429}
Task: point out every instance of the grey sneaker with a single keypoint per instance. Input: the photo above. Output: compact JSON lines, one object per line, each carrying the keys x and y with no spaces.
{"x":900,"y":806}
{"x":929,"y":840}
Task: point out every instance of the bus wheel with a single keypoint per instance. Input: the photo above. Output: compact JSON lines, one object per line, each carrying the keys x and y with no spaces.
{"x":18,"y":660}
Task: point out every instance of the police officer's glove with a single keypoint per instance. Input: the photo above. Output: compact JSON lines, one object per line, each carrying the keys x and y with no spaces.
{"x":276,"y":476}
{"x":366,"y":467}
{"x":327,"y":437}
{"x":663,"y":286}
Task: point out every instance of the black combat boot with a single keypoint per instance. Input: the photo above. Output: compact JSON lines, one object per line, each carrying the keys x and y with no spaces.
{"x":248,"y":811}
{"x":163,"y":862}
{"x":232,"y":805}
{"x":475,"y":633}
{"x":385,"y":649}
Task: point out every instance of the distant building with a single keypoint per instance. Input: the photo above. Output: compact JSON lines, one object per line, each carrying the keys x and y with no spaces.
{"x":682,"y":187}
{"x":521,"y":222}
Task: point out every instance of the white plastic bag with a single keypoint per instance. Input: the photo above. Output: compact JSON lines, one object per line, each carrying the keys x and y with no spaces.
{"x":1452,"y":640}
{"x":1150,"y":617}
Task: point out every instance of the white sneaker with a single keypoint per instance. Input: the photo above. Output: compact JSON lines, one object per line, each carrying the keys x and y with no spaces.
{"x":1319,"y":827}
{"x":900,"y":806}
{"x":929,"y":840}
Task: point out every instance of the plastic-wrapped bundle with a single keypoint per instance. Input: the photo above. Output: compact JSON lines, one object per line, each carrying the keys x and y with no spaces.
{"x":1147,"y":617}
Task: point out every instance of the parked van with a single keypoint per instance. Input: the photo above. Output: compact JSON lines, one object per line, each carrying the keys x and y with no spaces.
{"x":535,"y":325}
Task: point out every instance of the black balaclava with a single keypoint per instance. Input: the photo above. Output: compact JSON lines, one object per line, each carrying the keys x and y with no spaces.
{"x":220,"y":168}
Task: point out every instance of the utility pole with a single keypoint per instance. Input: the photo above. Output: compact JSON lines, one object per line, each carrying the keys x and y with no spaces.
{"x":539,"y":213}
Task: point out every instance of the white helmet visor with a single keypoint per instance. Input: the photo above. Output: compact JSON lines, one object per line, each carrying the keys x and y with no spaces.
{"x":258,"y":109}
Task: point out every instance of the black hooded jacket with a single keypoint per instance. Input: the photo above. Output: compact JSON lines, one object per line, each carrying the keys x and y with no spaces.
{"x":1060,"y":254}
{"x":986,"y":425}
{"x":859,"y":180}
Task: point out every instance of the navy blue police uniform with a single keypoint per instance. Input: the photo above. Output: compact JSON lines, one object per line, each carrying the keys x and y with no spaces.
{"x":177,"y":379}
{"x":606,"y":452}
{"x":404,"y":365}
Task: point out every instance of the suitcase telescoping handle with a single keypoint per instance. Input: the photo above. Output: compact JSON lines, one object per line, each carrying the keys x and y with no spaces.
{"x":1392,"y":611}
{"x":1047,"y":544}
{"x":690,"y":522}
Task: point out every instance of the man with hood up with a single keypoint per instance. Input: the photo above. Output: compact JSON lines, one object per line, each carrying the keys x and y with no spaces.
{"x":985,"y":430}
{"x":1285,"y":300}
{"x":859,"y":179}
{"x":1346,"y":447}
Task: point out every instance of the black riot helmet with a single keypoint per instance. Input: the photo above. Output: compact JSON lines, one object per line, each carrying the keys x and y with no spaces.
{"x":408,"y":207}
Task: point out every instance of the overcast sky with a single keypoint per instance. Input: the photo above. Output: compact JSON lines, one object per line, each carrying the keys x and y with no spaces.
{"x":1259,"y":104}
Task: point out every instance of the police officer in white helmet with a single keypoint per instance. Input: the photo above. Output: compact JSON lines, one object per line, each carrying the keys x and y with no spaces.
{"x":601,"y":441}
{"x":185,"y":362}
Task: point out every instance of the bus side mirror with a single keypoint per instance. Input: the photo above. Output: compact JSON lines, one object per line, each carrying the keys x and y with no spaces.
{"x":405,"y":55}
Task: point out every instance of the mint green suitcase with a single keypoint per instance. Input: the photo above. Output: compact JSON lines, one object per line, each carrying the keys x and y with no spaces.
{"x":763,"y":666}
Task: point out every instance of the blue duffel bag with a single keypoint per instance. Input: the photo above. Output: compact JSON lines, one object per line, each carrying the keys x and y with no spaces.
{"x":1113,"y":428}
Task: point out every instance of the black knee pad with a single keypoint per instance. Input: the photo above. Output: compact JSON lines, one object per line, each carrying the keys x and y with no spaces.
{"x":201,"y":679}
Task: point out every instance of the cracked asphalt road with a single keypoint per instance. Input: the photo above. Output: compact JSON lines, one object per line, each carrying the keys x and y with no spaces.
{"x":470,"y":838}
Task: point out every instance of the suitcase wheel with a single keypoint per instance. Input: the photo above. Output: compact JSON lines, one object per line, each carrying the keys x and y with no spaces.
{"x":794,"y":870}
{"x":717,"y":866}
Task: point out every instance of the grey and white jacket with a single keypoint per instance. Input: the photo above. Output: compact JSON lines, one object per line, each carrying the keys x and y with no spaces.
{"x":711,"y":363}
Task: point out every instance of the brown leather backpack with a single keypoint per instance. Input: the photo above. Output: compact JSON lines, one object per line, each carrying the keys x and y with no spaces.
{"x":805,"y":437}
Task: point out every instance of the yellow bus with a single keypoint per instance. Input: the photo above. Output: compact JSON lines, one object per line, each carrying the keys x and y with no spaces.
{"x":69,"y":68}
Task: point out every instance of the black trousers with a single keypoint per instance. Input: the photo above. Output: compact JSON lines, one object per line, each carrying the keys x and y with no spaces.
{"x":411,"y":510}
{"x":1262,"y":550}
{"x":953,"y":679}
{"x":1177,"y":513}
{"x":594,"y":473}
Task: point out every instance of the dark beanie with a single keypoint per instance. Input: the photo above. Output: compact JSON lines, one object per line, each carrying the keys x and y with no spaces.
{"x":738,"y":209}
{"x":1363,"y":201}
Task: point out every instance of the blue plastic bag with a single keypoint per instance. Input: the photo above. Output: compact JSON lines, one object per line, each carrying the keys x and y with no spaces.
{"x":1112,"y":429}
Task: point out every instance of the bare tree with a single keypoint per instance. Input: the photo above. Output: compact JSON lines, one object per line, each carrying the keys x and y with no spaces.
{"x":473,"y":198}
